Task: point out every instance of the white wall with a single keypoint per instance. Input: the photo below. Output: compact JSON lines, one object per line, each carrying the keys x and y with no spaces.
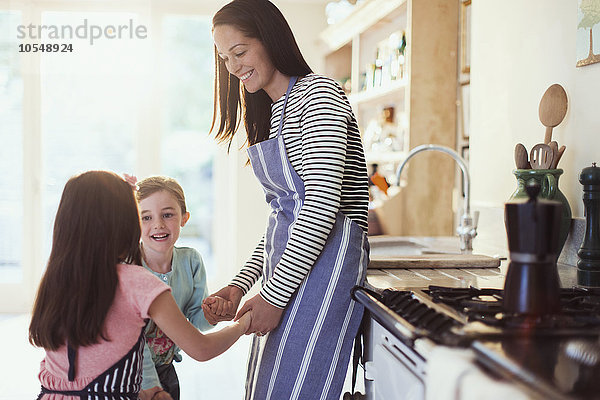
{"x":519,"y":49}
{"x":307,"y":20}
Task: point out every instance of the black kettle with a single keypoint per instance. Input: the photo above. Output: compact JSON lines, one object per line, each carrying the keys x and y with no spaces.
{"x":532,"y":284}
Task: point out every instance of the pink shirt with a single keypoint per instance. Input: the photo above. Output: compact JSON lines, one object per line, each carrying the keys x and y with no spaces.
{"x":136,"y":290}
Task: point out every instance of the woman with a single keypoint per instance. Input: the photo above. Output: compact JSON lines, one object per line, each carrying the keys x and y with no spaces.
{"x":305,"y":149}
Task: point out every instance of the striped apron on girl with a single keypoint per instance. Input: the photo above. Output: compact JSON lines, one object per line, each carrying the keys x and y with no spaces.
{"x":307,"y":355}
{"x":122,"y":381}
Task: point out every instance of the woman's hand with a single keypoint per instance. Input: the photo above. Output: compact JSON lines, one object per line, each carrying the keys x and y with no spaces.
{"x":222,"y":305}
{"x":155,"y":393}
{"x":265,"y":317}
{"x":162,"y":395}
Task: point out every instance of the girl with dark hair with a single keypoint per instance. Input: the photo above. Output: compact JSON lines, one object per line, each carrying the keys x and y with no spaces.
{"x":306,"y":151}
{"x":92,"y":303}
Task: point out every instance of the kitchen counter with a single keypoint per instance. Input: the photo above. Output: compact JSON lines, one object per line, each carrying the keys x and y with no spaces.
{"x":380,"y":279}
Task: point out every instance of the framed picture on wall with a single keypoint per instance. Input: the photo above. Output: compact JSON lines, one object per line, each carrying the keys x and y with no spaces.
{"x":588,"y":38}
{"x":465,"y":36}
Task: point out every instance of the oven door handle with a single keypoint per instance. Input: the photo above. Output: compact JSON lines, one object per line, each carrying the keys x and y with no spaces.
{"x":394,"y":323}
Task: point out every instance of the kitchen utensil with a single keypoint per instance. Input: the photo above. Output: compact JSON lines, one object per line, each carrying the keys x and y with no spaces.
{"x":533,"y":229}
{"x":553,"y":108}
{"x":554,"y":146}
{"x":557,"y":156}
{"x":521,"y":157}
{"x":541,"y":156}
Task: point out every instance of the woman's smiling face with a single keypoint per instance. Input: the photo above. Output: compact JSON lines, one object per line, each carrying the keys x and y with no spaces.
{"x":247,"y":59}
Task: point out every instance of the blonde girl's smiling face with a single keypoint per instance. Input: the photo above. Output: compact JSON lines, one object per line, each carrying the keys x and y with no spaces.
{"x":247,"y":58}
{"x":162,"y":220}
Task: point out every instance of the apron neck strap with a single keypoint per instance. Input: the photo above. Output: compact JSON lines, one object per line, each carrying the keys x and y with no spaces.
{"x":293,"y":80}
{"x":72,"y":356}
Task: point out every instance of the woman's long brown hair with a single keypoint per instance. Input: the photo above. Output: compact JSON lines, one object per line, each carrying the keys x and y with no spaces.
{"x":97,"y":226}
{"x":262,"y":20}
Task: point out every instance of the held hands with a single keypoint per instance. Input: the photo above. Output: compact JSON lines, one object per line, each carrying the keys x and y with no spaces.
{"x":222,"y":305}
{"x":265,"y":317}
{"x":218,"y":307}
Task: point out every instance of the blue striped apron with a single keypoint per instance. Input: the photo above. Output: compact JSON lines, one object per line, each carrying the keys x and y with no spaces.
{"x":307,"y":355}
{"x":121,"y":381}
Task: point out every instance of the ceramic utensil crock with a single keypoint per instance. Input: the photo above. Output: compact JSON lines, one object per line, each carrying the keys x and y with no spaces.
{"x":548,"y":181}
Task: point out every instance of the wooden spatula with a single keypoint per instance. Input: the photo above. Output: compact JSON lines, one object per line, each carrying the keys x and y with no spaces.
{"x":541,"y":156}
{"x":521,"y":157}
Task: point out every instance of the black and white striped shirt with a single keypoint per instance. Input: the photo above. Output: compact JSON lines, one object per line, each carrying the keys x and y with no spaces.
{"x":324,"y":146}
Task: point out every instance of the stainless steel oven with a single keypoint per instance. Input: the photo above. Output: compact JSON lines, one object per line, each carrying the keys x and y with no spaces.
{"x":555,"y":356}
{"x":393,"y":370}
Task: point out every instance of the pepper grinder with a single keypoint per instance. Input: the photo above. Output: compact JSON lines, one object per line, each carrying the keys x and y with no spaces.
{"x":588,"y":264}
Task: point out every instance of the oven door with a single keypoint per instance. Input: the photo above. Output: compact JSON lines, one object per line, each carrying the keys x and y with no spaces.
{"x":393,"y":370}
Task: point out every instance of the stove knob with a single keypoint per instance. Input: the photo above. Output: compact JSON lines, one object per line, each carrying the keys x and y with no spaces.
{"x":583,"y":352}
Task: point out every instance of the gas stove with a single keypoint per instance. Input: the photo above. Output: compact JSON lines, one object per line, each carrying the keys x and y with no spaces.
{"x":558,"y":356}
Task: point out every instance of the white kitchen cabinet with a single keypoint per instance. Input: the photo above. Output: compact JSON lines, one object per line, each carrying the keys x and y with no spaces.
{"x":422,"y":94}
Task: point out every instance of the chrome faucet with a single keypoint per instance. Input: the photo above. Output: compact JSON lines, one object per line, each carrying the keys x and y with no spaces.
{"x":467,"y":230}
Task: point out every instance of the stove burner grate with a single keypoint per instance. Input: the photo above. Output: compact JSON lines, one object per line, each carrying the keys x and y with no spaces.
{"x":418,"y":314}
{"x":580,"y":308}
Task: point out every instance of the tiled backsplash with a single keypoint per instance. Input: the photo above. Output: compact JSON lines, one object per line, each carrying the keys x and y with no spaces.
{"x":569,"y":253}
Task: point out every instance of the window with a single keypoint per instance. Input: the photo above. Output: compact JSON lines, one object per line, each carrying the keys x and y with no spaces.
{"x":141,"y":106}
{"x":187,"y":150}
{"x":11,"y":161}
{"x":90,"y":103}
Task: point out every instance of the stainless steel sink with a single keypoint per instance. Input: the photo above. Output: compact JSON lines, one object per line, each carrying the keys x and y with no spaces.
{"x":395,"y":246}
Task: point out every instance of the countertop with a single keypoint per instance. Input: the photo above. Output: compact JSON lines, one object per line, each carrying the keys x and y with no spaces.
{"x":380,"y":279}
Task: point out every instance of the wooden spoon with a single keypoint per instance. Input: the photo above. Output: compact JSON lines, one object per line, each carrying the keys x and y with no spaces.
{"x":553,"y":108}
{"x":541,"y":156}
{"x":521,"y":157}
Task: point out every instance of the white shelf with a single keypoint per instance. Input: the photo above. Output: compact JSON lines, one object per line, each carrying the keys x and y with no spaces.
{"x":424,"y":101}
{"x":381,"y":93}
{"x":359,"y":20}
